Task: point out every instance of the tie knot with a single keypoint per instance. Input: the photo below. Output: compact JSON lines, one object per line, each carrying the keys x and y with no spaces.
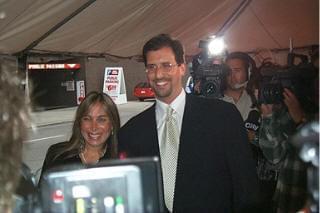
{"x":170,"y":111}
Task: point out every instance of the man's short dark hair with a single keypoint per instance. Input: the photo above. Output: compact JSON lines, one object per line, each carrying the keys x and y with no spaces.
{"x":164,"y":40}
{"x":241,"y":56}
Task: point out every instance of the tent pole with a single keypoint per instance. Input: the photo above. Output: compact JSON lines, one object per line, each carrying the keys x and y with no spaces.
{"x":233,"y":17}
{"x":54,"y":28}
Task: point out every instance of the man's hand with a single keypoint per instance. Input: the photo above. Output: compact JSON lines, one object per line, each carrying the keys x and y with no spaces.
{"x":251,"y":135}
{"x":293,"y":105}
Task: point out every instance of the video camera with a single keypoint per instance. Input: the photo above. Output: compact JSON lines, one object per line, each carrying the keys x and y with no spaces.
{"x":207,"y":73}
{"x":297,"y":78}
{"x":274,"y":82}
{"x":129,"y":185}
{"x":111,"y":186}
{"x":306,"y":143}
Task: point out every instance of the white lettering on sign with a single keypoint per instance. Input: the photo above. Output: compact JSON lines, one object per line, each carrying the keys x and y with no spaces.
{"x":36,"y":66}
{"x":53,"y":66}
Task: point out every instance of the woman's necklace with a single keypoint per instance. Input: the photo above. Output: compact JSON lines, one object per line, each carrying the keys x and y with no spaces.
{"x":84,"y":160}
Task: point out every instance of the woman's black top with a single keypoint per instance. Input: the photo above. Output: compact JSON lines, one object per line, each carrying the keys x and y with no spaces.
{"x":63,"y":159}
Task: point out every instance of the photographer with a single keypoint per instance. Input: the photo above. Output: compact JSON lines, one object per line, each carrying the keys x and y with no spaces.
{"x":226,"y":81}
{"x":280,"y":120}
{"x":207,"y":73}
{"x":240,"y":65}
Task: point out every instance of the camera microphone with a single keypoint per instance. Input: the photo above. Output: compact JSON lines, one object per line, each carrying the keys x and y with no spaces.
{"x":253,"y":121}
{"x":238,"y":86}
{"x":252,"y":124}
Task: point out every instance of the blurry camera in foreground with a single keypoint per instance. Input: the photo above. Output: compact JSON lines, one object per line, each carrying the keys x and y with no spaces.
{"x":207,"y":70}
{"x":297,"y":78}
{"x":306,"y":142}
{"x":115,"y":186}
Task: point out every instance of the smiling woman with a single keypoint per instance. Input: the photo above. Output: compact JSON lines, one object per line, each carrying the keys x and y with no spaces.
{"x":94,"y":134}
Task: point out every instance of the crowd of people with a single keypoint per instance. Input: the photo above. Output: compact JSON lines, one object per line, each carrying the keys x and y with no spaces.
{"x":210,"y":160}
{"x":281,"y":172}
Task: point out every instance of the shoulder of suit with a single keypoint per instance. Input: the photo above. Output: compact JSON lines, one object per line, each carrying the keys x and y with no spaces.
{"x":145,"y":115}
{"x":212,"y":102}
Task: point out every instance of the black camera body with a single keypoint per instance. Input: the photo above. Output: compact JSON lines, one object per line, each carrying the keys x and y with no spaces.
{"x":208,"y":76}
{"x":298,"y":79}
{"x":273,"y":84}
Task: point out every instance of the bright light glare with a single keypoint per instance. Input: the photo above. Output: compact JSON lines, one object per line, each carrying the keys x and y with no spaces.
{"x":3,"y":15}
{"x":216,"y":46}
{"x":80,"y":191}
{"x":108,"y":201}
{"x":312,"y":152}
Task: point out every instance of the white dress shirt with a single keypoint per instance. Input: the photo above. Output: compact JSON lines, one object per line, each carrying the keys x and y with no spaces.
{"x":161,"y":109}
{"x":243,"y":105}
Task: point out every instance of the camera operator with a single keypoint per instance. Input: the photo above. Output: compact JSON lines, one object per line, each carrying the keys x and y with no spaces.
{"x":280,"y":120}
{"x":207,"y":72}
{"x":240,"y":65}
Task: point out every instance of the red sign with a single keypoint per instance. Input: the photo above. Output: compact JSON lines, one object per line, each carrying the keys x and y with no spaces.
{"x":53,"y":66}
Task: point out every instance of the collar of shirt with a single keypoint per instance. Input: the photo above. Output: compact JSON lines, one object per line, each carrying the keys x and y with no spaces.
{"x":243,"y":105}
{"x":178,"y":105}
{"x":243,"y":97}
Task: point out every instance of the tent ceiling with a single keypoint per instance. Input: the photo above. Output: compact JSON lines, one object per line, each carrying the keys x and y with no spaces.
{"x":121,"y":27}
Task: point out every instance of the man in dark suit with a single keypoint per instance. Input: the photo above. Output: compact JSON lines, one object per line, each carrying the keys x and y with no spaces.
{"x":214,"y":169}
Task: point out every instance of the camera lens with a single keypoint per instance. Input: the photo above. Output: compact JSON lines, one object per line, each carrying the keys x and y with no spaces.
{"x":209,"y":88}
{"x":272,"y":93}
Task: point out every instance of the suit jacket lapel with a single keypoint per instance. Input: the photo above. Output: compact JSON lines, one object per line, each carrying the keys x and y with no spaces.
{"x":188,"y":120}
{"x":186,"y":140}
{"x":152,"y":143}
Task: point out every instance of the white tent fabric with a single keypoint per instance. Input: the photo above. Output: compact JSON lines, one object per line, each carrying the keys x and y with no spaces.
{"x":121,"y":27}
